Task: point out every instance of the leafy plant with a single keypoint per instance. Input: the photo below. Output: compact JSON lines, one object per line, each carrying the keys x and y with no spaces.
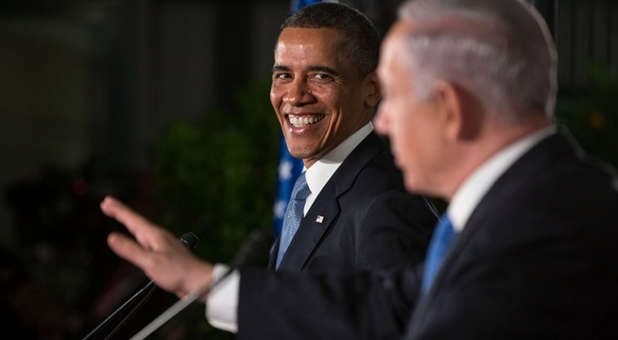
{"x":217,"y":177}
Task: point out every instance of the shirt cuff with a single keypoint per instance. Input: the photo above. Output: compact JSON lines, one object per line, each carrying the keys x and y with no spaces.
{"x":222,"y":301}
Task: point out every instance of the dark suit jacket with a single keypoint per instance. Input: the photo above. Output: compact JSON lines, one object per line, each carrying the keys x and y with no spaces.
{"x":538,"y":259}
{"x":362,"y":219}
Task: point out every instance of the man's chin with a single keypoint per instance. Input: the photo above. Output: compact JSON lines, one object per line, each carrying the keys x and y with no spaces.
{"x":299,"y":153}
{"x":411,"y":187}
{"x":412,"y":184}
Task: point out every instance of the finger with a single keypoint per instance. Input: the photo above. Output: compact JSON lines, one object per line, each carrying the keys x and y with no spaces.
{"x":134,"y":222}
{"x":128,"y":250}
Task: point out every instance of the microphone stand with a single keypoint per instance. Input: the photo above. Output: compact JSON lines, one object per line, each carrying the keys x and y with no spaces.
{"x":131,"y":312}
{"x":253,"y":248}
{"x":189,"y":240}
{"x":178,"y":307}
{"x":145,"y":291}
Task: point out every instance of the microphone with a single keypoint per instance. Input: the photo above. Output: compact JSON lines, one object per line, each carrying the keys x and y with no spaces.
{"x":189,"y":240}
{"x":250,"y":252}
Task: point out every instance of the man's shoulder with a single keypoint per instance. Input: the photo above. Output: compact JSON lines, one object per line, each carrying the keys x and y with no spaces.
{"x":549,"y":198}
{"x":370,"y":166}
{"x":378,"y":174}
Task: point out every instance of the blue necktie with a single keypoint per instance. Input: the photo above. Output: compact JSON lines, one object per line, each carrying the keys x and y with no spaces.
{"x":440,"y":242}
{"x":293,"y":215}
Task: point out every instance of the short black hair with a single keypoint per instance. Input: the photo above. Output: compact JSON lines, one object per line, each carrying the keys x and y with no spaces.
{"x":361,"y":38}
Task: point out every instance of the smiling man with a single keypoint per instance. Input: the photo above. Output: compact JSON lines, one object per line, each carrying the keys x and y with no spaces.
{"x":352,"y":211}
{"x":527,"y":247}
{"x":319,"y":96}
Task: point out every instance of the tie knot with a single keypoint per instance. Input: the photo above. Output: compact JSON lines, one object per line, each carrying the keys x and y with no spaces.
{"x":301,"y":189}
{"x":444,"y":232}
{"x":445,"y":224}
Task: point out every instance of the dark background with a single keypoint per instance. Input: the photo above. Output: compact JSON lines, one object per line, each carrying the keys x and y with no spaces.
{"x":165,"y":105}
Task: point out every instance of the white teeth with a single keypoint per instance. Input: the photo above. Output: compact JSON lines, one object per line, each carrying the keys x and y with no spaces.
{"x":301,"y":121}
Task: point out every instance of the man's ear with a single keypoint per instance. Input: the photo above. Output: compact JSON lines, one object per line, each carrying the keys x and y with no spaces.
{"x":460,"y":111}
{"x":371,"y":90}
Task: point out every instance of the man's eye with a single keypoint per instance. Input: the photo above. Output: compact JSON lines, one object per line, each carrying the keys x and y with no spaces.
{"x":322,"y":76}
{"x":281,"y":76}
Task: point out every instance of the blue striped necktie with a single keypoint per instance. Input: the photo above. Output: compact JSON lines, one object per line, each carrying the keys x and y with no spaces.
{"x":440,"y":242}
{"x":293,"y":215}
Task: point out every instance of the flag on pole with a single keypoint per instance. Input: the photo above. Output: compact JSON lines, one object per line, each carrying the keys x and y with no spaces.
{"x":289,"y":167}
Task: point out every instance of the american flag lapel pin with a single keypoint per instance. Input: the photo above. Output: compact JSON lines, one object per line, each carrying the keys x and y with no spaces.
{"x":319,"y":219}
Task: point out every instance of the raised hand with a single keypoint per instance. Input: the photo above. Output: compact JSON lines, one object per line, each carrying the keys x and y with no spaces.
{"x":162,"y":257}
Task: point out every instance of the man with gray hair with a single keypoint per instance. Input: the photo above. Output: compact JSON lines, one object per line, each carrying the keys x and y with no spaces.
{"x":527,"y":247}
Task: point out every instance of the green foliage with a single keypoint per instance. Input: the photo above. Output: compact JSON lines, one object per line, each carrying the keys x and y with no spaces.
{"x":590,"y":114}
{"x":217,"y":177}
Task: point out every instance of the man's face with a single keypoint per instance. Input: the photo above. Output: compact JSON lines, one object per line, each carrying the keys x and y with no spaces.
{"x":317,"y":94}
{"x":412,"y":124}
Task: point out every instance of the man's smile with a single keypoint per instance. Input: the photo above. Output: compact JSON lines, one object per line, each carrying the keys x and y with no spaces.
{"x":303,"y":120}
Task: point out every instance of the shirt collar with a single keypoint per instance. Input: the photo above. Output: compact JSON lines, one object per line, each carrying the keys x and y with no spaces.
{"x":322,"y":170}
{"x":472,"y":190}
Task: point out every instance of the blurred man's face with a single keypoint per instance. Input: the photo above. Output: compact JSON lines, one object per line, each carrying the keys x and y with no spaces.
{"x":316,"y":93}
{"x":412,"y":124}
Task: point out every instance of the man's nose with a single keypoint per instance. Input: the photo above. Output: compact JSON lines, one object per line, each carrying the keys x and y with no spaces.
{"x":297,"y":93}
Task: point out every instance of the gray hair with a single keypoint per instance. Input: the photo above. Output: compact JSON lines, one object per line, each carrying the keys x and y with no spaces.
{"x":499,"y":50}
{"x":361,"y":38}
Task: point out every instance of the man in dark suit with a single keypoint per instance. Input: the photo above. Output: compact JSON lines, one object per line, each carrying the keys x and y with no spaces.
{"x":356,"y":213}
{"x":362,"y":219}
{"x":527,"y":248}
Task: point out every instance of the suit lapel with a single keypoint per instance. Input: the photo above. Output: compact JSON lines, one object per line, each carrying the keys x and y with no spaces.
{"x":325,"y":209}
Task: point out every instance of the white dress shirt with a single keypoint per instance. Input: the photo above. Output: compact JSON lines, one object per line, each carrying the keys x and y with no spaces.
{"x":222,"y":302}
